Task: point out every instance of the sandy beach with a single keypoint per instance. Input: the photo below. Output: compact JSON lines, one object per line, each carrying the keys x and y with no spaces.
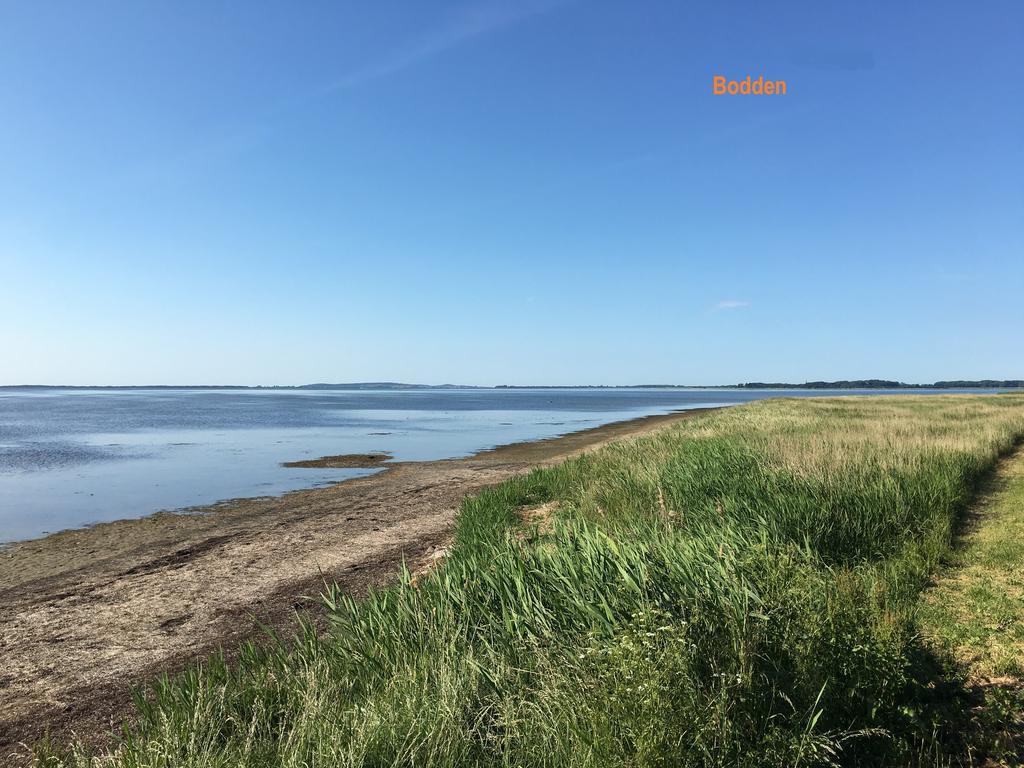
{"x":89,"y":614}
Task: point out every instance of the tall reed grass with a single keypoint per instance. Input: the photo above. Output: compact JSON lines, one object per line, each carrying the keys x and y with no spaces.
{"x":737,"y":590}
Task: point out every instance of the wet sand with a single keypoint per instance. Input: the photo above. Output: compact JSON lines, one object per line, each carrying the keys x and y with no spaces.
{"x":345,"y":461}
{"x":87,"y":615}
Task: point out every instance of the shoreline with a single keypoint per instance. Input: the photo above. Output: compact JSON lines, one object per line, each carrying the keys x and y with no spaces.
{"x":90,"y":613}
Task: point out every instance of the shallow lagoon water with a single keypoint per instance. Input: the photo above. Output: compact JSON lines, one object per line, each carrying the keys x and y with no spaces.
{"x":70,"y":458}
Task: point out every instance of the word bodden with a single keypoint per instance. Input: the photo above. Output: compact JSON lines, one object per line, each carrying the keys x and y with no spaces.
{"x":721,"y":86}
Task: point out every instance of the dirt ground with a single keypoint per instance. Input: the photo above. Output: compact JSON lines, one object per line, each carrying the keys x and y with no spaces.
{"x":88,"y":615}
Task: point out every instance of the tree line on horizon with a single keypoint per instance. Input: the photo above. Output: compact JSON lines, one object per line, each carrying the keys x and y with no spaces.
{"x":885,"y":384}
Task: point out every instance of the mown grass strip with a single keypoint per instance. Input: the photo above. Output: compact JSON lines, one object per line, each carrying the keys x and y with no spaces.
{"x":975,"y":611}
{"x":976,"y":608}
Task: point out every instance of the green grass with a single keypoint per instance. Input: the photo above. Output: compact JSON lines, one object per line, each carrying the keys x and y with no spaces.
{"x":976,"y":609}
{"x":738,"y":590}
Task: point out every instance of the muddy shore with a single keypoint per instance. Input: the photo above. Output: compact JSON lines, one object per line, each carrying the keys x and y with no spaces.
{"x":87,"y":615}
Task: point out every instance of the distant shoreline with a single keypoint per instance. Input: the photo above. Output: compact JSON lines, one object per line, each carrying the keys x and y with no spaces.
{"x":397,"y":386}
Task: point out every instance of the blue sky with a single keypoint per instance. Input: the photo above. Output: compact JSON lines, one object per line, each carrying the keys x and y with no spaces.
{"x":497,"y":192}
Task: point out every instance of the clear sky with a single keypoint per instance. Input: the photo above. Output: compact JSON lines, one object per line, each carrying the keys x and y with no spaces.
{"x":509,"y":192}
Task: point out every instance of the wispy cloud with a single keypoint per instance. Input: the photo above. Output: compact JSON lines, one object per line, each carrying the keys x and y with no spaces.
{"x":730,"y":304}
{"x":469,"y":22}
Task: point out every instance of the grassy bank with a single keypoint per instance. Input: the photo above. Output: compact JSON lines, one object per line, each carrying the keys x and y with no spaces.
{"x":740,"y":589}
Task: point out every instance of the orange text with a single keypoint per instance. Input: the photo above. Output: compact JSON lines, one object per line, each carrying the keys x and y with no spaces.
{"x":721,"y":86}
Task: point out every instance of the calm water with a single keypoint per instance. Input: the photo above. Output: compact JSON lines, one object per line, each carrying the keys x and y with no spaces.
{"x":69,"y":458}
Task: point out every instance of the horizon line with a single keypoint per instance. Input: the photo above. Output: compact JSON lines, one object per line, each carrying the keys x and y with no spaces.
{"x":878,"y":383}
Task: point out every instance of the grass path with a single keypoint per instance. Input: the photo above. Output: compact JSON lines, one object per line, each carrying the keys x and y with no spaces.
{"x":975,"y":612}
{"x":976,"y":609}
